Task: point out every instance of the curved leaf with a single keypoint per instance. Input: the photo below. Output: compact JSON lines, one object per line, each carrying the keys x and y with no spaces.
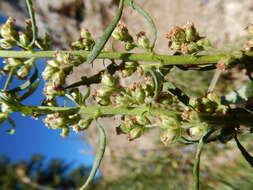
{"x":29,"y":4}
{"x":244,"y":152}
{"x":148,"y":18}
{"x":30,"y":90}
{"x":100,"y":43}
{"x":181,"y":96}
{"x":99,"y":156}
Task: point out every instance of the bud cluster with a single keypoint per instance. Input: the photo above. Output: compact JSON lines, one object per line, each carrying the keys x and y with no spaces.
{"x":56,"y":72}
{"x":186,"y":40}
{"x":171,"y":129}
{"x":121,"y":33}
{"x":209,"y":104}
{"x":85,"y":42}
{"x":109,"y":86}
{"x":64,"y":121}
{"x":11,"y":37}
{"x":9,"y":34}
{"x":133,"y":126}
{"x":23,"y":66}
{"x":129,"y":69}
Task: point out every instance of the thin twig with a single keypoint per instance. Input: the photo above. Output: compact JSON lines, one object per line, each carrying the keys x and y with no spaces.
{"x":214,"y":81}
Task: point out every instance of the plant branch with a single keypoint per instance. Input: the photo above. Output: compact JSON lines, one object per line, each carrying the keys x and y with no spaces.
{"x":143,"y":57}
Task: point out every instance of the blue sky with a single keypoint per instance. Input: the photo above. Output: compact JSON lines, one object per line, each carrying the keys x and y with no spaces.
{"x":32,"y":137}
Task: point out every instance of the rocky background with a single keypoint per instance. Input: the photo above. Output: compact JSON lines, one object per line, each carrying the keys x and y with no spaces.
{"x":223,"y":21}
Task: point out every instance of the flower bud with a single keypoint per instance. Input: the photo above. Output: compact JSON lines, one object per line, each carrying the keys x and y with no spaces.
{"x":23,"y":72}
{"x":15,"y":62}
{"x":213,"y":97}
{"x":6,"y":69}
{"x":85,"y":34}
{"x":169,"y":136}
{"x":191,"y":33}
{"x":142,"y":120}
{"x":121,"y":33}
{"x":175,"y":46}
{"x":24,"y":40}
{"x":108,"y":80}
{"x":176,"y":34}
{"x":105,"y":91}
{"x":53,"y":63}
{"x":5,"y":108}
{"x":103,"y":101}
{"x":129,"y":46}
{"x":7,"y":43}
{"x":143,"y":41}
{"x":85,"y":123}
{"x":192,"y":48}
{"x":65,"y":132}
{"x":135,"y":132}
{"x":198,"y":131}
{"x":48,"y":72}
{"x":88,"y":44}
{"x":169,"y":122}
{"x":122,"y":100}
{"x":139,"y":95}
{"x":204,"y":43}
{"x":8,"y":30}
{"x":58,"y":78}
{"x":124,"y":128}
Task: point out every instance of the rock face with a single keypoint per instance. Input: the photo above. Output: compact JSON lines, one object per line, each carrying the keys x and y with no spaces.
{"x":221,"y":20}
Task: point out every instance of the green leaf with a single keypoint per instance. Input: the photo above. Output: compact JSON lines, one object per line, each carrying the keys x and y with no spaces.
{"x":100,"y":43}
{"x":238,"y":96}
{"x":148,"y":18}
{"x":244,"y":152}
{"x":30,"y":90}
{"x":172,"y":89}
{"x":13,"y":130}
{"x":158,"y":79}
{"x":99,"y":156}
{"x":202,"y":141}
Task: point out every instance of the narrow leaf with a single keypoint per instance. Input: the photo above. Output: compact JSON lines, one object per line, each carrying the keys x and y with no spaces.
{"x":99,"y":156}
{"x":30,"y":90}
{"x":196,"y":184}
{"x":100,"y":43}
{"x":13,"y":130}
{"x":148,"y":18}
{"x":244,"y":152}
{"x":181,"y":96}
{"x":158,"y":81}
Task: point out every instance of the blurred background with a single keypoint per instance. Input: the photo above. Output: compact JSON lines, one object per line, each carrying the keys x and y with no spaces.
{"x":145,"y":163}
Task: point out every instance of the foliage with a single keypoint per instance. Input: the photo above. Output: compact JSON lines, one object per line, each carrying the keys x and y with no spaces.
{"x":155,"y":101}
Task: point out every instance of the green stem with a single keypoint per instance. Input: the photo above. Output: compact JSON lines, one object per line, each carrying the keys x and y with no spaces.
{"x":9,"y":79}
{"x":144,"y":57}
{"x":196,"y":184}
{"x":29,"y":4}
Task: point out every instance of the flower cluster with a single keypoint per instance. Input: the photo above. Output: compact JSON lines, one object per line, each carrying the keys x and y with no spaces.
{"x":85,"y":42}
{"x":121,"y":33}
{"x":11,"y":37}
{"x":64,"y":121}
{"x":186,"y":40}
